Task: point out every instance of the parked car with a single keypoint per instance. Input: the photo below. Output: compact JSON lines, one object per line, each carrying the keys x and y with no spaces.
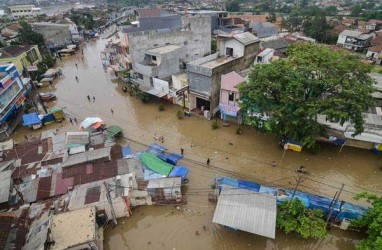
{"x":47,"y":97}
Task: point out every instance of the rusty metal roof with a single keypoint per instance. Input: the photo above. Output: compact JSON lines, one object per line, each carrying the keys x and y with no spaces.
{"x":44,"y":187}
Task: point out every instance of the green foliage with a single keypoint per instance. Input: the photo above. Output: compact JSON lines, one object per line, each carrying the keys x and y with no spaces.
{"x":214,"y":125}
{"x":271,"y":17}
{"x":232,"y":6}
{"x":371,"y":222}
{"x":84,"y":18}
{"x":213,"y":46}
{"x":28,"y":36}
{"x":46,"y":63}
{"x":318,"y":28}
{"x":161,"y":107}
{"x":180,"y":114}
{"x":314,"y":80}
{"x":292,"y":216}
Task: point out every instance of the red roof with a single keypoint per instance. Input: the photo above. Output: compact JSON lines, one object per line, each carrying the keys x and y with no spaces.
{"x":44,"y":187}
{"x":376,"y":41}
{"x":377,"y":48}
{"x":149,"y":12}
{"x":62,"y":185}
{"x":29,"y":152}
{"x":14,"y":27}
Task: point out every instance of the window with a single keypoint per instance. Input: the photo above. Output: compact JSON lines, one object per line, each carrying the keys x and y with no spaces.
{"x":229,"y":51}
{"x":231,"y":96}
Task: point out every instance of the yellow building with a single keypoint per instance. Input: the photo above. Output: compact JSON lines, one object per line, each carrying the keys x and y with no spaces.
{"x":20,"y":55}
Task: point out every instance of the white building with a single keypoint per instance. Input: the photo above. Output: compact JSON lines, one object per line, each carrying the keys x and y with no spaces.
{"x":354,"y":40}
{"x":265,"y":56}
{"x":27,"y":11}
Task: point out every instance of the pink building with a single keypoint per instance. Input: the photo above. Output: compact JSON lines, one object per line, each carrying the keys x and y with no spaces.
{"x":229,"y":95}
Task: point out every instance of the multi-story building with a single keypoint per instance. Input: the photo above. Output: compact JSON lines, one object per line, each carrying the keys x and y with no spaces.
{"x":12,"y":96}
{"x":57,"y":35}
{"x":354,"y":40}
{"x":26,"y":11}
{"x":204,"y":74}
{"x":21,"y":55}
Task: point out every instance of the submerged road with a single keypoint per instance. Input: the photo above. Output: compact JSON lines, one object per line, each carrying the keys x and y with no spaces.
{"x":248,"y":155}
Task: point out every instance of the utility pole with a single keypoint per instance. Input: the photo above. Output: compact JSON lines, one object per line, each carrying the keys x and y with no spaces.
{"x":299,"y":180}
{"x":333,"y":204}
{"x":110,"y":203}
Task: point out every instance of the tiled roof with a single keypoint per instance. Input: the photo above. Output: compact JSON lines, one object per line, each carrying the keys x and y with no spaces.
{"x":377,"y":48}
{"x":377,"y":40}
{"x":230,"y":80}
{"x":149,"y":12}
{"x":14,"y":50}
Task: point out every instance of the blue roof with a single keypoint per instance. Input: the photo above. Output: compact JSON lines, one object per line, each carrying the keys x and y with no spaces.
{"x":173,"y":158}
{"x":179,"y":171}
{"x":127,"y":151}
{"x":156,"y":149}
{"x":31,"y":119}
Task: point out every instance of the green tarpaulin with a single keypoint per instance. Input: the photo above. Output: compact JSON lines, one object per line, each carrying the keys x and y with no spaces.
{"x":155,"y":164}
{"x":113,"y":131}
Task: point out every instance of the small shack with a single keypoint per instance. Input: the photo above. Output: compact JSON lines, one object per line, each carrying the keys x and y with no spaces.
{"x":32,"y":120}
{"x":165,"y":189}
{"x":247,"y":211}
{"x":77,"y":139}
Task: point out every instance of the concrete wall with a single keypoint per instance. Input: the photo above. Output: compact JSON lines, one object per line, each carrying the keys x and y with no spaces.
{"x":195,"y":37}
{"x":341,"y":39}
{"x":224,"y":97}
{"x":238,"y":48}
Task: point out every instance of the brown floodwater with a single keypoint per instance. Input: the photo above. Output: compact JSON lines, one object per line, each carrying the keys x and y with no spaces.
{"x":248,"y":156}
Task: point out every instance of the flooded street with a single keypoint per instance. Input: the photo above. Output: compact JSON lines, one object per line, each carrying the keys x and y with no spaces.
{"x":248,"y":155}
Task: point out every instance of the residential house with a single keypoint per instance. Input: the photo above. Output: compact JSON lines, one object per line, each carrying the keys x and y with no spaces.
{"x":350,"y":22}
{"x":265,"y":56}
{"x":218,"y":18}
{"x":20,"y":55}
{"x":375,"y":53}
{"x":194,"y":37}
{"x":25,"y":11}
{"x":354,"y":40}
{"x":11,"y":30}
{"x":56,"y":35}
{"x":229,"y":95}
{"x":13,"y":91}
{"x":265,"y":31}
{"x":149,"y":13}
{"x":156,"y":67}
{"x":76,"y":229}
{"x":204,"y":75}
{"x":361,"y":25}
{"x":280,"y":46}
{"x":374,"y":25}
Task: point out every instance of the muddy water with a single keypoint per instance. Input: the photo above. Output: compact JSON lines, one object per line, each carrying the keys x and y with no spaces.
{"x":248,"y":155}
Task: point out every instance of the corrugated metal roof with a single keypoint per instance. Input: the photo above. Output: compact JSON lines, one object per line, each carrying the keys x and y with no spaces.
{"x":44,"y":187}
{"x":77,"y":138}
{"x":87,"y":156}
{"x":247,"y":211}
{"x":29,"y":190}
{"x":246,"y":38}
{"x":5,"y":185}
{"x":164,"y":183}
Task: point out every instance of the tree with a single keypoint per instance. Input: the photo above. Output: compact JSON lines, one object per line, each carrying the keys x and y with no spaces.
{"x":232,"y":6}
{"x":28,"y":36}
{"x":356,"y":10}
{"x":319,"y":29}
{"x":271,"y":17}
{"x":313,"y":81}
{"x":214,"y":45}
{"x":371,"y":222}
{"x":293,"y":216}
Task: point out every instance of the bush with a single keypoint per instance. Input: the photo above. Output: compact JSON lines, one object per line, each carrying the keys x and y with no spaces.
{"x":161,"y":107}
{"x":215,"y":125}
{"x":180,"y":114}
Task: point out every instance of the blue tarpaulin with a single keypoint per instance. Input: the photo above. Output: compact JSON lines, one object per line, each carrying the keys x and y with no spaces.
{"x":127,"y":151}
{"x":179,"y":171}
{"x":31,"y":119}
{"x":341,"y":209}
{"x":173,"y":158}
{"x":150,"y":175}
{"x":48,"y":118}
{"x":156,"y":149}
